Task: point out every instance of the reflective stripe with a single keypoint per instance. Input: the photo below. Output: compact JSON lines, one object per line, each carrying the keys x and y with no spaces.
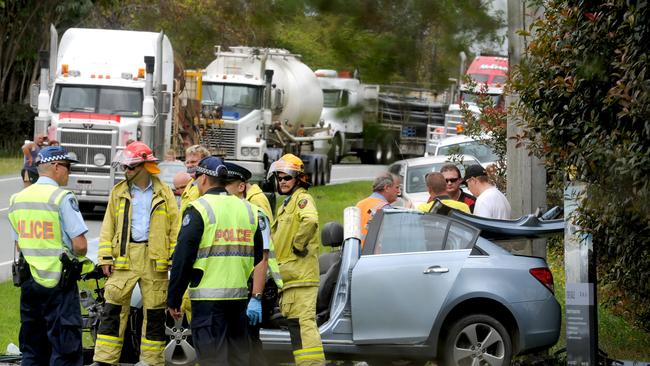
{"x":301,"y":283}
{"x":109,"y":340}
{"x":231,"y":250}
{"x":161,"y":264}
{"x":42,"y":252}
{"x":219,"y":293}
{"x":48,"y":274}
{"x":208,"y":210}
{"x":309,"y":353}
{"x":251,"y":217}
{"x":34,"y":206}
{"x":151,"y":345}
{"x":55,"y":195}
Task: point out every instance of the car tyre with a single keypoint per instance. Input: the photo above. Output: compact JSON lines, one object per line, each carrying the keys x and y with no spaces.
{"x":477,"y":339}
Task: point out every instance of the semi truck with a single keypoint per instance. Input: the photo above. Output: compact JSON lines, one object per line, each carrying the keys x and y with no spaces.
{"x":377,"y":123}
{"x":98,"y":90}
{"x":256,"y":104}
{"x":490,"y":74}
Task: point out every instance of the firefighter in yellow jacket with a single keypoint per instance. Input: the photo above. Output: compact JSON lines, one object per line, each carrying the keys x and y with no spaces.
{"x":297,"y":241}
{"x":136,"y":242}
{"x":193,"y":155}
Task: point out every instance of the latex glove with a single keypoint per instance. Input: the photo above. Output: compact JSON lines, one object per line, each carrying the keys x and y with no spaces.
{"x":254,"y":311}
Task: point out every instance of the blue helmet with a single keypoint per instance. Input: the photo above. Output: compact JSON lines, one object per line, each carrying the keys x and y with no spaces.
{"x":212,"y":166}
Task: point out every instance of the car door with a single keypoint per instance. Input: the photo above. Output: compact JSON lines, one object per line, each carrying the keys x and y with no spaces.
{"x":402,"y":279}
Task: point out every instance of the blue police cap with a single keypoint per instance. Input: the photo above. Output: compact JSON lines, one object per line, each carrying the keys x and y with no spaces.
{"x":212,"y":166}
{"x":238,"y":172}
{"x":53,"y":153}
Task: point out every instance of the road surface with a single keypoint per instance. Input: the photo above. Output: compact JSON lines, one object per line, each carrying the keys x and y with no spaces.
{"x":9,"y":185}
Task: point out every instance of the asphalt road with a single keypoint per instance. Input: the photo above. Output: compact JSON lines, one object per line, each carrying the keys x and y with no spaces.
{"x":341,"y":173}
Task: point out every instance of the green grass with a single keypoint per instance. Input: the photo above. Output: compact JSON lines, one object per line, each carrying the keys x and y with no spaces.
{"x":617,"y":337}
{"x":11,"y":165}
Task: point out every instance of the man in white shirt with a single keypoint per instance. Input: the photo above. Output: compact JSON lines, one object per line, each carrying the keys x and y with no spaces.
{"x":490,"y":202}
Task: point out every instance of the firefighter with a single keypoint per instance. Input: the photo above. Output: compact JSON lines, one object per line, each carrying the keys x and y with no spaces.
{"x":47,"y":224}
{"x":295,"y":234}
{"x":237,"y":184}
{"x":219,"y":245}
{"x":136,"y":242}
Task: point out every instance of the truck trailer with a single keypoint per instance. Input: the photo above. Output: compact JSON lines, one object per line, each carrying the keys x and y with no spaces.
{"x":98,"y":90}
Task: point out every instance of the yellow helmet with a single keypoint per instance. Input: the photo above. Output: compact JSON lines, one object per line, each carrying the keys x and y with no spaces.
{"x":289,"y":164}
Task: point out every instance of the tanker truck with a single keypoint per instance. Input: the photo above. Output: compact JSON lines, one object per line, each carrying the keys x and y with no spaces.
{"x":98,"y":90}
{"x":257,"y":104}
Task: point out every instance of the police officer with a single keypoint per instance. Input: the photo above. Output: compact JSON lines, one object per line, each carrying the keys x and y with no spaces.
{"x":295,"y":234}
{"x":219,"y":245}
{"x":137,"y":239}
{"x":236,"y":184}
{"x":46,"y":223}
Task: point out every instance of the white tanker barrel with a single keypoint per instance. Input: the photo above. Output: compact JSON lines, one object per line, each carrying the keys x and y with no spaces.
{"x":302,"y":99}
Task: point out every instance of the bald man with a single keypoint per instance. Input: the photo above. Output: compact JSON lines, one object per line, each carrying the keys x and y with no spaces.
{"x":180,"y":181}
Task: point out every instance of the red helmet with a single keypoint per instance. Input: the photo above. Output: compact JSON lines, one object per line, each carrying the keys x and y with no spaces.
{"x":135,"y":153}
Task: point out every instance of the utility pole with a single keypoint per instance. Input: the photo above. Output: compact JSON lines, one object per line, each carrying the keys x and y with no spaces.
{"x":526,"y":183}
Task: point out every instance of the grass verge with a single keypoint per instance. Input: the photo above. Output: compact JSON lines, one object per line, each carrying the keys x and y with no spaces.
{"x":617,"y":337}
{"x":10,"y":165}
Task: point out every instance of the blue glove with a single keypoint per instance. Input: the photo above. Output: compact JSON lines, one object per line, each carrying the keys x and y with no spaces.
{"x":254,"y":311}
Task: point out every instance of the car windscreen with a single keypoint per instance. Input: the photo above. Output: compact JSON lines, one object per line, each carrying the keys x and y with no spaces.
{"x":415,"y":175}
{"x":412,"y":231}
{"x":236,"y":100}
{"x":126,"y":102}
{"x":480,"y":151}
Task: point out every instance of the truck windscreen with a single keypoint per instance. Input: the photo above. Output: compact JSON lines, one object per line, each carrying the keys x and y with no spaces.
{"x":126,"y":102}
{"x":335,"y":98}
{"x":236,"y":100}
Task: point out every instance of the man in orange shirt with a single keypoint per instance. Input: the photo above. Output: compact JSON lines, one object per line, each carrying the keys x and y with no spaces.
{"x":385,"y":190}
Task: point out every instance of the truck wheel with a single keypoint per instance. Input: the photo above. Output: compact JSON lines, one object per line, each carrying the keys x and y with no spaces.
{"x":389,"y":152}
{"x":477,"y":339}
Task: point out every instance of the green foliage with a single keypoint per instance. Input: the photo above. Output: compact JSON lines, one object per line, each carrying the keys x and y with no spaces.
{"x":17,"y":125}
{"x":584,"y":100}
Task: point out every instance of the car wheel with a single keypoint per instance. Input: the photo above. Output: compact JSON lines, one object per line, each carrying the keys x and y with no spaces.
{"x":477,"y":340}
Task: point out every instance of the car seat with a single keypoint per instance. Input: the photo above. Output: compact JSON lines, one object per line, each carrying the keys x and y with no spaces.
{"x":330,"y":265}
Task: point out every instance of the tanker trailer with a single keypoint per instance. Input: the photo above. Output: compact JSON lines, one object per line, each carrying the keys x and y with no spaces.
{"x":259,"y":103}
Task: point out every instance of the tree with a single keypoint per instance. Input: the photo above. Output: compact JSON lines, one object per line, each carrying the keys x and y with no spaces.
{"x":585,"y":103}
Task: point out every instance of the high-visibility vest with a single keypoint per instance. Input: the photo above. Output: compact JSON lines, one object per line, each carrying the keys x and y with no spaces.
{"x":368,"y":207}
{"x":226,"y":252}
{"x":34,"y":214}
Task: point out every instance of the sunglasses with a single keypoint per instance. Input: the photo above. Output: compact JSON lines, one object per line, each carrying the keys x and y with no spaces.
{"x":129,"y":167}
{"x":286,"y":178}
{"x":452,"y":180}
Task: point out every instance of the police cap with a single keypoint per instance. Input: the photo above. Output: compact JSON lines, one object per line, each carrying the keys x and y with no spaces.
{"x":53,"y":153}
{"x":237,"y":172}
{"x":212,"y":166}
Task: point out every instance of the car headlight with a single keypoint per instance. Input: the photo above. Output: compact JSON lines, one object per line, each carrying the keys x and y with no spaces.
{"x":245,"y":151}
{"x":99,"y":159}
{"x":255,"y":151}
{"x":72,"y":155}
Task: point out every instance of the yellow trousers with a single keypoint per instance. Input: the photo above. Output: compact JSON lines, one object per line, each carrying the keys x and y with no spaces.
{"x":298,"y":305}
{"x":117,"y":292}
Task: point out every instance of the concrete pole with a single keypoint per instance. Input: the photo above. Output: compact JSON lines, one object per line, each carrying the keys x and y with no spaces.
{"x":526,"y":184}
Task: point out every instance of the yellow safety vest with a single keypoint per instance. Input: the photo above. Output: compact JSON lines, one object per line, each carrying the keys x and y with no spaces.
{"x":274,"y":268}
{"x":226,"y":252}
{"x":34,"y":214}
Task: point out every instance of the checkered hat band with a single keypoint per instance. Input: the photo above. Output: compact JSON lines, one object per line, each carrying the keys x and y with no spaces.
{"x":54,"y":158}
{"x":212,"y":173}
{"x":234,"y":174}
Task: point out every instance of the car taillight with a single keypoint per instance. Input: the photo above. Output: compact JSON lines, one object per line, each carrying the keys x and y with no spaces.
{"x":544,"y":276}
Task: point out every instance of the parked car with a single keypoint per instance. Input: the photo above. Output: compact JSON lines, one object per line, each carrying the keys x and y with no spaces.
{"x":427,"y":287}
{"x":412,"y":172}
{"x":463,"y":144}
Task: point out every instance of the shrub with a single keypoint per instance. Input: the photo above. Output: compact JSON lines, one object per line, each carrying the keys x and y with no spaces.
{"x":17,"y":125}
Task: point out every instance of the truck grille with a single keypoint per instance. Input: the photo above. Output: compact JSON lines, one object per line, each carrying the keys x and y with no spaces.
{"x":220,"y":140}
{"x":93,"y":143}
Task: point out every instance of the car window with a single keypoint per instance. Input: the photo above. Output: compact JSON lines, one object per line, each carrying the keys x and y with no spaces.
{"x":480,"y":151}
{"x":411,"y":231}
